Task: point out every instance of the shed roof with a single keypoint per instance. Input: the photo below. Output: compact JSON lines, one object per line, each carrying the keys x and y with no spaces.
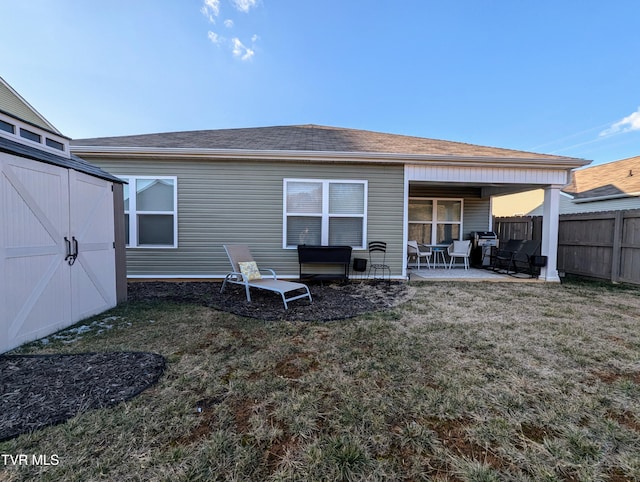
{"x":310,"y":138}
{"x":613,"y":179}
{"x":73,"y":162}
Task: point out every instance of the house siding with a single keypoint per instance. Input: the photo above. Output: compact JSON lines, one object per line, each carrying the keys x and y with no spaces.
{"x":12,"y":103}
{"x":226,"y":202}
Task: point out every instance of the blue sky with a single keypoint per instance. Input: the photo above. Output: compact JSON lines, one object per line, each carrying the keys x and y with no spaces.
{"x":552,"y":76}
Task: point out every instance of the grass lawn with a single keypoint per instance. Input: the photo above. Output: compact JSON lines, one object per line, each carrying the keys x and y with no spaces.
{"x":466,"y":381}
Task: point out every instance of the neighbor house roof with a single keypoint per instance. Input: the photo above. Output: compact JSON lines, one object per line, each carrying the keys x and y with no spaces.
{"x":610,"y":180}
{"x":307,"y":139}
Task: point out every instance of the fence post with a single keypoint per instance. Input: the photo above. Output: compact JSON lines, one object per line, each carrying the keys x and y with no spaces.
{"x":536,"y":233}
{"x":618,"y":226}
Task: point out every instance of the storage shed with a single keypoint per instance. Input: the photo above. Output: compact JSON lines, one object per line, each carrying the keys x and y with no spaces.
{"x":61,"y":255}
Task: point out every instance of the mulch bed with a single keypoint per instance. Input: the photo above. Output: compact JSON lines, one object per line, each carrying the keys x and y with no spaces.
{"x":331,"y":301}
{"x":41,"y":390}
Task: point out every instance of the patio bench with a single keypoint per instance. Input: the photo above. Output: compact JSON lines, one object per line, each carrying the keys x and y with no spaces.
{"x":313,"y":258}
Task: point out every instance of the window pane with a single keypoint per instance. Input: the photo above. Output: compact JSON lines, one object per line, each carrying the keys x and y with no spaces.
{"x":5,"y":126}
{"x":126,"y":229}
{"x":346,"y":198}
{"x":446,"y":233}
{"x":420,"y":233}
{"x":304,"y":197}
{"x":125,"y":191}
{"x":449,"y":210}
{"x":303,"y":230}
{"x":154,"y":194}
{"x":155,"y":229}
{"x":54,"y":144}
{"x":420,"y":210}
{"x":32,"y":136}
{"x":345,"y":231}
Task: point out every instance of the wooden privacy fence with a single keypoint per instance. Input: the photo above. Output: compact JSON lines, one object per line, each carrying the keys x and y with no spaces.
{"x":602,"y":245}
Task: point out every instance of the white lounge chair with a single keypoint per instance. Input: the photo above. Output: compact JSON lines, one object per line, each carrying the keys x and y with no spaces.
{"x":246,"y":273}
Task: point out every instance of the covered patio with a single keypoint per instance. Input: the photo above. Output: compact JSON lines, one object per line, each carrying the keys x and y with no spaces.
{"x":450,"y":199}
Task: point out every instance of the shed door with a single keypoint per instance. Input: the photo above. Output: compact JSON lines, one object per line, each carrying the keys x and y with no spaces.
{"x":40,"y":292}
{"x":34,"y":279}
{"x":93,"y":275}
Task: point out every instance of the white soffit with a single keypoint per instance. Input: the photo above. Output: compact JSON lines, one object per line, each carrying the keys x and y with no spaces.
{"x":487,"y":175}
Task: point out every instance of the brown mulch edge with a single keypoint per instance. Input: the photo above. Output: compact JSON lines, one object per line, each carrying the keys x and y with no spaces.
{"x":331,"y":301}
{"x":41,"y":390}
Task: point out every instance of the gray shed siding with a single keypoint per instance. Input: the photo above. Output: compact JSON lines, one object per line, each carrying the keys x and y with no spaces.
{"x":226,"y":202}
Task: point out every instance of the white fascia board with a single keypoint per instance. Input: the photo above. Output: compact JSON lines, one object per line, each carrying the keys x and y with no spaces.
{"x":330,"y":156}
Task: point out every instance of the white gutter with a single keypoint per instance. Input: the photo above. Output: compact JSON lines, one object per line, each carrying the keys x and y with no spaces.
{"x":328,"y":156}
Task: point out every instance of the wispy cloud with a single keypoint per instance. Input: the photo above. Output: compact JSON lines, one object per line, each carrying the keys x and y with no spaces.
{"x":211,"y":9}
{"x":628,"y":124}
{"x":244,"y":5}
{"x":215,"y":38}
{"x":240,"y":50}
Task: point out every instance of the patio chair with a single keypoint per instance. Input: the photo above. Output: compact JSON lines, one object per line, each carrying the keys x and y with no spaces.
{"x":503,"y":258}
{"x":378,"y":258}
{"x":414,"y":252}
{"x":459,"y":249}
{"x":523,"y":258}
{"x":246,"y":273}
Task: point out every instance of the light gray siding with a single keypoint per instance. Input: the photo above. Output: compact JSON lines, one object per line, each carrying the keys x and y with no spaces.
{"x":227,"y":202}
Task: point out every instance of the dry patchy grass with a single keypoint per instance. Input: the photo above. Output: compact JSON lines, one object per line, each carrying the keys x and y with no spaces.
{"x":465,"y":381}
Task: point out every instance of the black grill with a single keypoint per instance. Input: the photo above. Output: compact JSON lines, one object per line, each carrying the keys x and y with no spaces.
{"x":483,"y":241}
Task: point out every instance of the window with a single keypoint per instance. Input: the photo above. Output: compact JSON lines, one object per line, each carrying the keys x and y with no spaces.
{"x":32,"y":136}
{"x":321,"y":212}
{"x":151,"y":212}
{"x":54,"y":144}
{"x":5,"y":126}
{"x":435,"y":221}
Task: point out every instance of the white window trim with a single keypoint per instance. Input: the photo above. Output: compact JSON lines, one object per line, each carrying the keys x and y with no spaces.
{"x":434,"y":216}
{"x":325,"y":215}
{"x":133,"y":225}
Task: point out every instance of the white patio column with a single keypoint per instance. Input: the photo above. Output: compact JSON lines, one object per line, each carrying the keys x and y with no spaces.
{"x":550,"y":223}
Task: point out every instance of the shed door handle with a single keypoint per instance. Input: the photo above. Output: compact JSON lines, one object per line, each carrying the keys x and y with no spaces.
{"x":72,"y":250}
{"x":68,"y":246}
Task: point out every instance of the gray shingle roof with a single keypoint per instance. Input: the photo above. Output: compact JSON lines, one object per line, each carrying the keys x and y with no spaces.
{"x":610,"y":179}
{"x":307,"y":138}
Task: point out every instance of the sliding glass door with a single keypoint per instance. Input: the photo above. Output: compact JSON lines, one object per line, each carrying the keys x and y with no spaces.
{"x":435,"y":221}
